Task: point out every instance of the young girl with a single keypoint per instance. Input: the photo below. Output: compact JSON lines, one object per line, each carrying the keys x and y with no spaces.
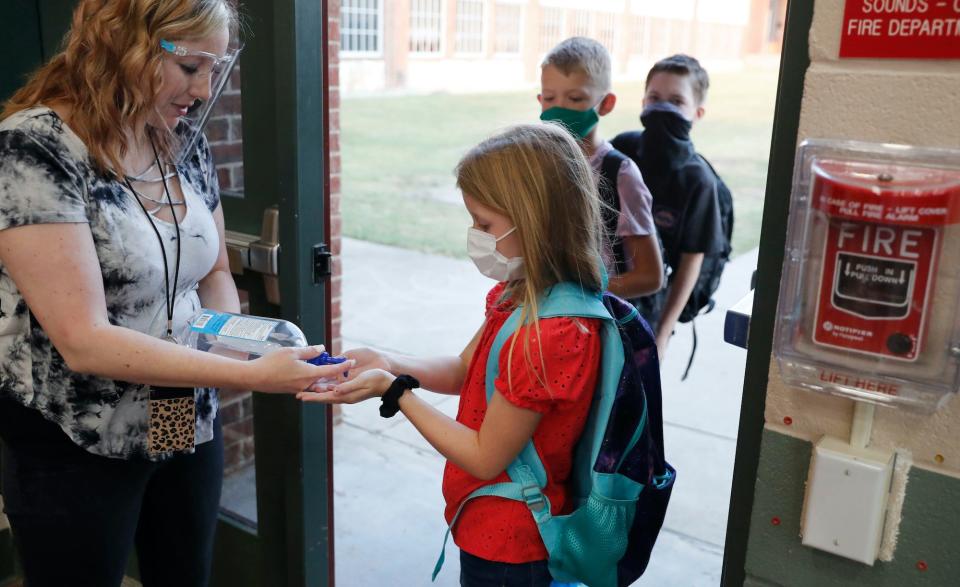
{"x":535,"y":210}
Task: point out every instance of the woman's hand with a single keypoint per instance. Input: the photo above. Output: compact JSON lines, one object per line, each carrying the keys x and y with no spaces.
{"x":370,"y":383}
{"x":366,"y":359}
{"x":286,"y":370}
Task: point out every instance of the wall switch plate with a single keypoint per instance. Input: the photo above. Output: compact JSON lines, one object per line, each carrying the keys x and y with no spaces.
{"x":846,"y":500}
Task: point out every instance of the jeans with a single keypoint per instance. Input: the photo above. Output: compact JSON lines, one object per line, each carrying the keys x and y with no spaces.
{"x":77,"y":516}
{"x":478,"y":572}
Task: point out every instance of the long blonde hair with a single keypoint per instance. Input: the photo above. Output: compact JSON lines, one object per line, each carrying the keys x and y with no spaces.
{"x":537,"y":176}
{"x":109,"y":69}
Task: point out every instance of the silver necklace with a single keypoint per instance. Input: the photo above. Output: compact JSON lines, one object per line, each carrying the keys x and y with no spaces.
{"x":160,"y":203}
{"x":143,"y":176}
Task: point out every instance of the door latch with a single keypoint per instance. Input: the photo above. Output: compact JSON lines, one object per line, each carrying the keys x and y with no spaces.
{"x":322,"y":258}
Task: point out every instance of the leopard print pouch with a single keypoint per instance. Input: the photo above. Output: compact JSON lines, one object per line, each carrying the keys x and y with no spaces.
{"x":172,"y":422}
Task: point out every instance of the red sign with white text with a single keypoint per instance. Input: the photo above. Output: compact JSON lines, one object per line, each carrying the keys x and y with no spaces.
{"x":901,"y":29}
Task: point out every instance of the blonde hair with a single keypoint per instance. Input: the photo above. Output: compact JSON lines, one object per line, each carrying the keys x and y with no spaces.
{"x":109,"y":69}
{"x":537,"y":176}
{"x":584,"y":55}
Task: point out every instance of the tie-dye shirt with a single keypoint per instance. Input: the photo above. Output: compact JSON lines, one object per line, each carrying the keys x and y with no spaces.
{"x":46,"y":176}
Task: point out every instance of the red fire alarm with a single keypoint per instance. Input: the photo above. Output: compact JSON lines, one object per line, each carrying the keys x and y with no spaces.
{"x":869,"y":225}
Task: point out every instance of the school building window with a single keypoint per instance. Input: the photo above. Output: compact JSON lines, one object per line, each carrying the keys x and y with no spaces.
{"x":509,"y":26}
{"x":607,"y":30}
{"x":426,"y":26}
{"x":580,"y":23}
{"x":551,"y":28}
{"x":638,"y":36}
{"x":469,"y":26}
{"x":361,"y":27}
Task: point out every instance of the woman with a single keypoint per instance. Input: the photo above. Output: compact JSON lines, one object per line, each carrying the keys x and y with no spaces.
{"x":106,"y":249}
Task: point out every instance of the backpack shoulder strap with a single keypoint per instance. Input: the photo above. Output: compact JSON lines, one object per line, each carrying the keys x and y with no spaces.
{"x":610,"y":195}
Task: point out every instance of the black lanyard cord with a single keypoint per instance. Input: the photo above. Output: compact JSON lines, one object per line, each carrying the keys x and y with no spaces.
{"x":167,"y":297}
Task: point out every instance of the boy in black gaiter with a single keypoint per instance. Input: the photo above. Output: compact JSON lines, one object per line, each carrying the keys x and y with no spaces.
{"x":684,"y":187}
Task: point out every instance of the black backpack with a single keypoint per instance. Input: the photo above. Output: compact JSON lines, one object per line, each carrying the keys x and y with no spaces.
{"x":701,"y":298}
{"x":609,"y":170}
{"x":712,"y":268}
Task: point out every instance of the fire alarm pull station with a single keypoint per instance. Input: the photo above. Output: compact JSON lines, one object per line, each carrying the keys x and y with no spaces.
{"x":871,"y":289}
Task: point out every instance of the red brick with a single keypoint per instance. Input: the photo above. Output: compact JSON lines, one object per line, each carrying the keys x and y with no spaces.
{"x":230,"y":411}
{"x":229,"y":104}
{"x":333,"y":76}
{"x":234,"y":434}
{"x":336,"y":244}
{"x":223,"y":176}
{"x":333,"y":33}
{"x":249,"y":450}
{"x":232,"y":457}
{"x":234,"y":83}
{"x":218,"y":129}
{"x":236,"y":128}
{"x":244,"y":427}
{"x":334,"y":141}
{"x":236,"y":174}
{"x":336,"y":225}
{"x":228,"y":153}
{"x":336,"y":186}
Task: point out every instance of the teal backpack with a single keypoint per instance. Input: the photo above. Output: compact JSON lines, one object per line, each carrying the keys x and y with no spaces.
{"x":620,"y":482}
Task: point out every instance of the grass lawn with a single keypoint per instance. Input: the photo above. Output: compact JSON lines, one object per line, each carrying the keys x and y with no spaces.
{"x":399,"y":153}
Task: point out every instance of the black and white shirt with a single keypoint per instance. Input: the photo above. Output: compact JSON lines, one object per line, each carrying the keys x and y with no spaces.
{"x":47,"y":176}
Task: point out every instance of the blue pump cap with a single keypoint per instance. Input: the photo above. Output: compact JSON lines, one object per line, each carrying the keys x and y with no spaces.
{"x":324,"y":358}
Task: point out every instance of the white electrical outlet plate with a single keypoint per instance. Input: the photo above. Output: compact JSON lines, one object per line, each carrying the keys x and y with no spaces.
{"x":846,"y":500}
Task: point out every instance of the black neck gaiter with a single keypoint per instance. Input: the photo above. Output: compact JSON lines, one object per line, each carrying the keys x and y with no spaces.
{"x":666,"y":140}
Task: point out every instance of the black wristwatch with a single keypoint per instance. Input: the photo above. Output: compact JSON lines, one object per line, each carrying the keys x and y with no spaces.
{"x":391,"y":397}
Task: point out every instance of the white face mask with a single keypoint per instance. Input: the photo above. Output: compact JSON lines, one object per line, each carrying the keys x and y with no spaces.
{"x":482,"y":248}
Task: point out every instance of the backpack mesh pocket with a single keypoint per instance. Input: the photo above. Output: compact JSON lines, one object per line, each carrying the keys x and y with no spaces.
{"x":592,"y":541}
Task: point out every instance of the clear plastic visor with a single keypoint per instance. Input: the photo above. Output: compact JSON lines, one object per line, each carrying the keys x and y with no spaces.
{"x":202,"y":68}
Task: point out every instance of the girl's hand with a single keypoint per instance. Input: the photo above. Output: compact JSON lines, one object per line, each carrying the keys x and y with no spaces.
{"x":286,"y":370}
{"x":370,"y":383}
{"x":366,"y":359}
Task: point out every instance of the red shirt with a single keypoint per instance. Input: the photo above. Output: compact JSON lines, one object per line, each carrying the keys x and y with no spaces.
{"x":499,"y":529}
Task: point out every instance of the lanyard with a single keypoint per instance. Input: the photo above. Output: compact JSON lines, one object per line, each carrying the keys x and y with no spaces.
{"x":167,"y":297}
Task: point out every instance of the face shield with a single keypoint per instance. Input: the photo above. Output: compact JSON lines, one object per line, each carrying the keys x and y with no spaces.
{"x":215,"y":70}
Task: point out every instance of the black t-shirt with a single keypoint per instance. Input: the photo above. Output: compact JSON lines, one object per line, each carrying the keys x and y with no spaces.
{"x":686,"y":209}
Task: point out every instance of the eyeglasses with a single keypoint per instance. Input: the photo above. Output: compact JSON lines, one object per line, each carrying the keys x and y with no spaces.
{"x":216,"y":64}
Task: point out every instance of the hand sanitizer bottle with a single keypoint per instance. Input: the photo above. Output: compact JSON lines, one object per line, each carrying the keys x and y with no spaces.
{"x":245,"y":337}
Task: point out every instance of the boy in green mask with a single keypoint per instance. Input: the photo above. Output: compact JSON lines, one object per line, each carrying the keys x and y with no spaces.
{"x":575,"y":92}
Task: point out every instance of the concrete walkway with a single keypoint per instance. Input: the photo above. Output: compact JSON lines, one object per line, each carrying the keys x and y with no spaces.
{"x":388,"y":506}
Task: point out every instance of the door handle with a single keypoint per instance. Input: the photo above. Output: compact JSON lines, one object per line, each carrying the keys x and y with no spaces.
{"x":247,"y":252}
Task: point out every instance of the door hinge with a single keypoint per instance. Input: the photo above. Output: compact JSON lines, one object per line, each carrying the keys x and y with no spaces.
{"x":322,"y":263}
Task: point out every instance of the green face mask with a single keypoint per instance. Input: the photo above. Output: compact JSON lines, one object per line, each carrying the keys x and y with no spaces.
{"x":578,"y":122}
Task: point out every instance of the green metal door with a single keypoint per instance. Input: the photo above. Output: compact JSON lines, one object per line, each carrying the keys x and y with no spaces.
{"x":288,"y":540}
{"x":283,"y":72}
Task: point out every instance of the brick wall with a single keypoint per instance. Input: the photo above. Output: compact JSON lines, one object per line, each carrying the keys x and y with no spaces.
{"x":224,"y":131}
{"x":336,"y":220}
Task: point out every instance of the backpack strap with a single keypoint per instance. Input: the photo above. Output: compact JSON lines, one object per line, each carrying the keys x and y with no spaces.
{"x":610,"y":195}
